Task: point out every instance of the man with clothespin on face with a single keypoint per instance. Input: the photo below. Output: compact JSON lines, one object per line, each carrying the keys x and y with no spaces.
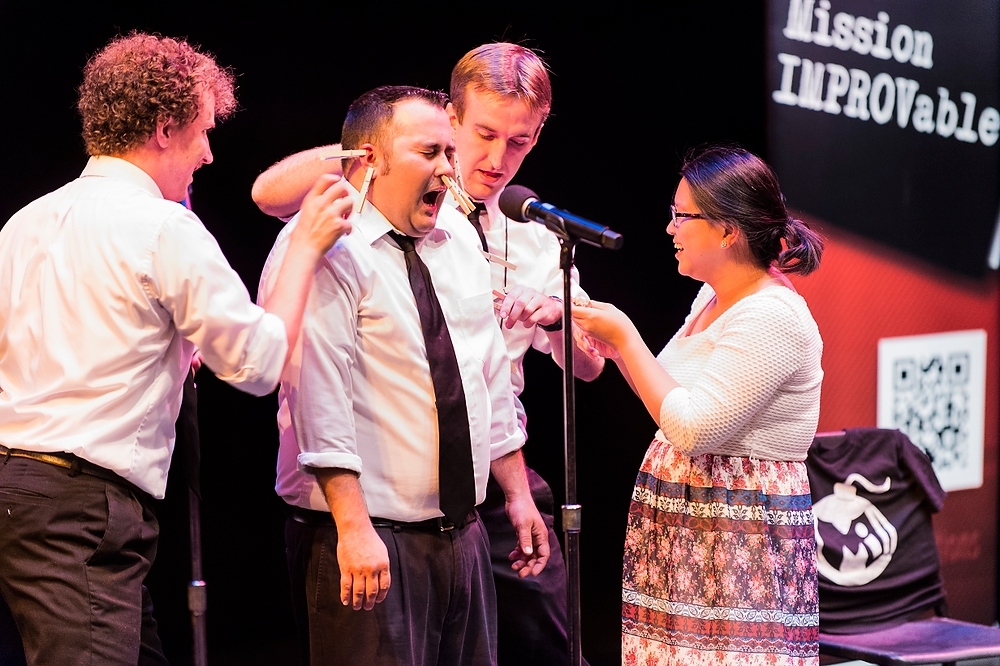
{"x":396,"y":408}
{"x":500,"y":97}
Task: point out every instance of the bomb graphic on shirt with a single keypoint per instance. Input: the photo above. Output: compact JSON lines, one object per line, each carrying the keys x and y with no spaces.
{"x":854,"y":541}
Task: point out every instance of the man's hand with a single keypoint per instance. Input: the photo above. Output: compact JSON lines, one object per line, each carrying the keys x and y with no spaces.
{"x":532,"y":551}
{"x":526,"y":305}
{"x":363,"y":558}
{"x":325,"y":213}
{"x":364,"y":567}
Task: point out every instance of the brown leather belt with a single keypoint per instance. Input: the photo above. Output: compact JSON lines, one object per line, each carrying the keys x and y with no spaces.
{"x":75,"y":464}
{"x":311,"y":517}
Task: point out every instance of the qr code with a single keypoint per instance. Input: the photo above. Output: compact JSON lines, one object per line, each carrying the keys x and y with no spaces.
{"x":933,"y":388}
{"x":931,"y":405}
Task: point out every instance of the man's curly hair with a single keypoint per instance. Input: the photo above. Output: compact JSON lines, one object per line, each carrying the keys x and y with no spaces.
{"x":136,"y":81}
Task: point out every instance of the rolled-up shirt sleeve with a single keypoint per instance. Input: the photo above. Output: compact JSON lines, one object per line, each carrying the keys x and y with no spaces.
{"x":753,"y":358}
{"x":320,"y":391}
{"x":210,"y":306}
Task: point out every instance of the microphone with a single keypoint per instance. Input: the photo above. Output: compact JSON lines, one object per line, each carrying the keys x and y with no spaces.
{"x":522,"y":205}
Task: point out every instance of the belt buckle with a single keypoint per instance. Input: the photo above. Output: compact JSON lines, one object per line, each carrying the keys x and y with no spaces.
{"x":444,"y":526}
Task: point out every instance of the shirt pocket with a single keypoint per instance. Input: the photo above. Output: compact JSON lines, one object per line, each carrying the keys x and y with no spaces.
{"x":477,"y":324}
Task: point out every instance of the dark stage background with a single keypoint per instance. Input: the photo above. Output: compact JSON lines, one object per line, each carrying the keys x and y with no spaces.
{"x":632,"y":94}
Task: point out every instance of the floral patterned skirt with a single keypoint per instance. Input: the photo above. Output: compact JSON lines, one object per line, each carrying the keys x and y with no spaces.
{"x":720,"y":563}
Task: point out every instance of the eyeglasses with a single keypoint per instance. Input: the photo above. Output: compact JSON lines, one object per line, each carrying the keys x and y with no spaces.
{"x":678,"y":217}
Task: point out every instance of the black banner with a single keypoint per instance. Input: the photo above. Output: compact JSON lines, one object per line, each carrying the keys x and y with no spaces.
{"x":883,"y":119}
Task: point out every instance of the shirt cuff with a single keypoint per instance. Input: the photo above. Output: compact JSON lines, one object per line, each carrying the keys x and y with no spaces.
{"x":264,"y":359}
{"x":348,"y":461}
{"x":509,"y":445}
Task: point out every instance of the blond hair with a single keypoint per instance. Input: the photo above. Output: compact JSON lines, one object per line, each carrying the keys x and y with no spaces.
{"x":505,"y":70}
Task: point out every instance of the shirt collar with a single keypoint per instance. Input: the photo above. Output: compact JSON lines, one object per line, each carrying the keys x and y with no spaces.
{"x":493,"y":210}
{"x":372,"y":224}
{"x":115,"y":167}
{"x":493,"y":214}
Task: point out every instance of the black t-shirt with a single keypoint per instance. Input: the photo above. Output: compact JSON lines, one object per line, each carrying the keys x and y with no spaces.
{"x":873,"y":495}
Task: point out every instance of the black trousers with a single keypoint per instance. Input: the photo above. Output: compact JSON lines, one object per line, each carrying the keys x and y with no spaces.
{"x":440,"y":609}
{"x":74,"y":552}
{"x":531,"y":611}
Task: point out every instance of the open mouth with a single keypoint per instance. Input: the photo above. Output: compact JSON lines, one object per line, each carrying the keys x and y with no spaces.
{"x":432,"y":198}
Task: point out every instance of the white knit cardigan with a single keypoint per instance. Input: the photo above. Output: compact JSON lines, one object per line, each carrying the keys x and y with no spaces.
{"x":749,"y":383}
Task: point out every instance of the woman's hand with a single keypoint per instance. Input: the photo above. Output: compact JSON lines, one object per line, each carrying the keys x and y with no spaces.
{"x":607,"y":327}
{"x":593,"y":348}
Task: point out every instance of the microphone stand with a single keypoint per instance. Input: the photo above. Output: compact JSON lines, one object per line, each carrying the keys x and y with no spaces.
{"x":188,"y":430}
{"x":188,"y":451}
{"x":197,"y":597}
{"x":571,"y":511}
{"x":569,"y":230}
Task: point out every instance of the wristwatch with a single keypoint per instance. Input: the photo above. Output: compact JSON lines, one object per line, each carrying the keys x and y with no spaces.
{"x":556,"y":325}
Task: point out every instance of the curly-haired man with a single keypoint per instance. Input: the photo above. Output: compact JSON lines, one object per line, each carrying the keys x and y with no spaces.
{"x":107,"y":286}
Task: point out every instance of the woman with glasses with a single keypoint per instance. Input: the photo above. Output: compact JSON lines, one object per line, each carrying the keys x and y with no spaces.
{"x":719,"y":561}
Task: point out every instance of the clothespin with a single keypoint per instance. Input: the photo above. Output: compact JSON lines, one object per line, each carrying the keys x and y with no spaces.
{"x":342,"y":154}
{"x":360,"y":203}
{"x":464,"y":202}
{"x":494,"y":259}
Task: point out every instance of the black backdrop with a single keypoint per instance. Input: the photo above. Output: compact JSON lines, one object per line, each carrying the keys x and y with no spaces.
{"x":633,"y":91}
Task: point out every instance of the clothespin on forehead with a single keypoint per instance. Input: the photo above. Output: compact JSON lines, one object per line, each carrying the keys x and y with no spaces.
{"x":464,"y":202}
{"x":341,"y":154}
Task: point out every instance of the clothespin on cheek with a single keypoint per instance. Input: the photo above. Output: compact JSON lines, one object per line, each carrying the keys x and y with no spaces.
{"x":360,"y":203}
{"x":463,"y":200}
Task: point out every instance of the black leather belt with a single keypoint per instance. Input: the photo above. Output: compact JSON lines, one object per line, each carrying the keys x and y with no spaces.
{"x":75,"y":465}
{"x":310,"y":517}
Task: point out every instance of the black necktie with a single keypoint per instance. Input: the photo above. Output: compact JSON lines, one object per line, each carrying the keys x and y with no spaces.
{"x":456,"y":479}
{"x":477,"y":223}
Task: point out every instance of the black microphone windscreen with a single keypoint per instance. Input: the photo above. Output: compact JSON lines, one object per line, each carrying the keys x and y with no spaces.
{"x":512,"y":201}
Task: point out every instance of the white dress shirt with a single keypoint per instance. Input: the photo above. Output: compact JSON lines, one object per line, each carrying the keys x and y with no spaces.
{"x":357,"y":393}
{"x":105,"y":290}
